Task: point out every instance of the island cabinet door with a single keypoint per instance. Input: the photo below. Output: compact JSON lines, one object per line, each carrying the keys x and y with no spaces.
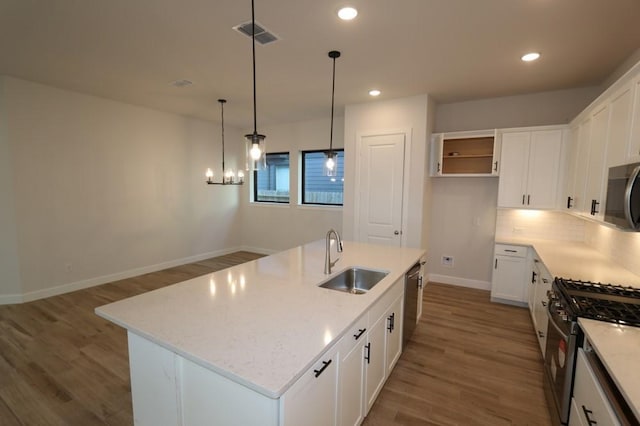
{"x":394,"y":334}
{"x":351,"y":396}
{"x":312,"y":400}
{"x":375,"y":360}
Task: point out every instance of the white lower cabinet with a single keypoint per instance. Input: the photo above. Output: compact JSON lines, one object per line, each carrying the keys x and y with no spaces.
{"x":367,"y":361}
{"x":338,"y":389}
{"x":312,"y":400}
{"x":509,"y":280}
{"x":538,"y":306}
{"x":589,"y":405}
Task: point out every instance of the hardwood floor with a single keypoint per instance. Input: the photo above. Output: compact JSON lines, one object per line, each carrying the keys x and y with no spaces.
{"x":60,"y":364}
{"x":470,"y":362}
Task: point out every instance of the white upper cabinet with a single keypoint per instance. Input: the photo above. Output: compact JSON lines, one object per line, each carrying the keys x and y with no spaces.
{"x":595,"y":189}
{"x":465,"y":154}
{"x":633,"y":153}
{"x":619,"y":126}
{"x":530,"y":169}
{"x":569,"y":195}
{"x":582,"y":167}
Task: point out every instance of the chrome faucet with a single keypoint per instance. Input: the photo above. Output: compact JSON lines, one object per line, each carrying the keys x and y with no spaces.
{"x":328,"y":264}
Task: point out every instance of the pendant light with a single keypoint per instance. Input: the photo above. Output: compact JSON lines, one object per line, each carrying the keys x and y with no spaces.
{"x":255,"y":146}
{"x":331,"y":161}
{"x":228,"y":175}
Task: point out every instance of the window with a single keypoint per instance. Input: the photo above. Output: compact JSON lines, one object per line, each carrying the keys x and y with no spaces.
{"x":318,"y":188}
{"x":272,"y":184}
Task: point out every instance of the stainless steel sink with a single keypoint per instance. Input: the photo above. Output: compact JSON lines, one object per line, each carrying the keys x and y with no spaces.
{"x":355,"y":280}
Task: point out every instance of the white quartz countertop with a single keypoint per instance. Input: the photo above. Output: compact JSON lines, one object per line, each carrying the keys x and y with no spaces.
{"x":618,"y":347}
{"x":265,"y":322}
{"x":577,"y":260}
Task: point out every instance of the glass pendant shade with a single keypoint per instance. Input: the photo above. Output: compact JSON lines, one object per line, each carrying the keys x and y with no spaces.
{"x":331,"y":164}
{"x":256,"y":149}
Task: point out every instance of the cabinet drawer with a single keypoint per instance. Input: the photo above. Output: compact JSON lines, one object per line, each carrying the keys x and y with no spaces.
{"x":589,"y":397}
{"x":379,"y":308}
{"x":510,"y":250}
{"x":356,"y":333}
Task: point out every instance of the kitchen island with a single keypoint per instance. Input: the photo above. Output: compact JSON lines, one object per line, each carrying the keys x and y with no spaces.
{"x":232,"y":343}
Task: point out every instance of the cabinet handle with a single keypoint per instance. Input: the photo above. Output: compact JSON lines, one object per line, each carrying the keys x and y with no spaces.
{"x":569,"y":202}
{"x":368,"y":355}
{"x":528,"y":199}
{"x":496,"y":265}
{"x":594,"y":207}
{"x":544,"y":303}
{"x":586,"y":414}
{"x":544,"y":280}
{"x":495,"y":166}
{"x":420,"y":284}
{"x":392,"y":321}
{"x":438,"y":167}
{"x":523,"y":199}
{"x":533,"y":277}
{"x":325,"y":364}
{"x":540,"y":334}
{"x":360,"y":333}
{"x":511,"y":251}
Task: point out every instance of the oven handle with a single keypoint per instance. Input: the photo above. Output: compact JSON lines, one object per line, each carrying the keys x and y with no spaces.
{"x":552,"y":322}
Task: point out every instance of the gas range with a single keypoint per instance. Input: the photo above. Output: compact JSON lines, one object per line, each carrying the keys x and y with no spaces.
{"x":603,"y":302}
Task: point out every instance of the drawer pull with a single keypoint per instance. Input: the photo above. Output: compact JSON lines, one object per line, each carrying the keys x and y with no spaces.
{"x":392,"y":321}
{"x":360,"y":333}
{"x":368,"y":355}
{"x":510,"y":251}
{"x":586,"y":414}
{"x":325,"y":364}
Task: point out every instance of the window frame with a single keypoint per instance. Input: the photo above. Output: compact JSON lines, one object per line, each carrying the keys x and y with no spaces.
{"x":302,"y":179}
{"x":255,"y":182}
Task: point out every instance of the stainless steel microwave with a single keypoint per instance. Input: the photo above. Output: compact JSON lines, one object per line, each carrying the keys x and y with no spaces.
{"x":623,"y":197}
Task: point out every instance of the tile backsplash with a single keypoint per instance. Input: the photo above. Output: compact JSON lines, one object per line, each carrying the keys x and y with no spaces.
{"x":539,"y":224}
{"x":621,"y":247}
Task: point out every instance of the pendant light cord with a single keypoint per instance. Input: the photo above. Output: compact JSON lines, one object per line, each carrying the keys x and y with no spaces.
{"x":333,"y":90}
{"x":253,"y":38}
{"x":222,"y":101}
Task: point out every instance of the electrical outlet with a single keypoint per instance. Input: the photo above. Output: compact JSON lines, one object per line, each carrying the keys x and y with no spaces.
{"x":518,"y":230}
{"x":447,"y":261}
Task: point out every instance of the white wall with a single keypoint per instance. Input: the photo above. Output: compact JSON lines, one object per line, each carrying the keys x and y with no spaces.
{"x":9,"y":261}
{"x":104,"y":190}
{"x":463,"y":219}
{"x":268,"y":228}
{"x":536,"y":109}
{"x":395,"y":114}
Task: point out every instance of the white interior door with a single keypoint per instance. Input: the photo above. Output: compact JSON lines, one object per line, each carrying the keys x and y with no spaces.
{"x":381,"y":176}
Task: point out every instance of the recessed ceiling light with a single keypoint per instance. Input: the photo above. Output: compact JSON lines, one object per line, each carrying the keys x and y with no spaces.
{"x":347,"y":13}
{"x":374,"y":92}
{"x":181,"y":83}
{"x":530,"y":56}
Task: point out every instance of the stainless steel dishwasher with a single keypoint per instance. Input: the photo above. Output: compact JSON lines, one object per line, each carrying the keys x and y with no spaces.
{"x":412,"y":283}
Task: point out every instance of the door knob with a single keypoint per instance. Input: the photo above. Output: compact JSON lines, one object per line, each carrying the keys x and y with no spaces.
{"x":396,"y":232}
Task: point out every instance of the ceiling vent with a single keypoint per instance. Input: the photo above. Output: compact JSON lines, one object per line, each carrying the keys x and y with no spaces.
{"x":263,"y":36}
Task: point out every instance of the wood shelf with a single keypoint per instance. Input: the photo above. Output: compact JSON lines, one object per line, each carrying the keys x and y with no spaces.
{"x":474,"y":155}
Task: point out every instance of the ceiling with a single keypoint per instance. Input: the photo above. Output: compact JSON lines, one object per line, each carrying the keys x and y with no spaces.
{"x":131,"y":50}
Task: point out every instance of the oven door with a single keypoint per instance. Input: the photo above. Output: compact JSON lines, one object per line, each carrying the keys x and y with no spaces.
{"x":559,"y":365}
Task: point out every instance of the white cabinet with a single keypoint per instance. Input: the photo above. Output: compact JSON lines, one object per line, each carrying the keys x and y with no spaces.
{"x":568,"y":199}
{"x":619,"y":126}
{"x":312,"y":399}
{"x":382,"y":350}
{"x":509,"y":281}
{"x":474,"y":153}
{"x":595,"y":176}
{"x":393,"y":339}
{"x":589,"y":405}
{"x":633,"y":152}
{"x":368,"y":353}
{"x":540,"y":284}
{"x":530,"y":167}
{"x":351,"y":375}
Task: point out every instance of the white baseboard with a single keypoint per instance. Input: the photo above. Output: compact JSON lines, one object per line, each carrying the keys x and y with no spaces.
{"x":462,"y":282}
{"x":259,"y":250}
{"x":91,"y":282}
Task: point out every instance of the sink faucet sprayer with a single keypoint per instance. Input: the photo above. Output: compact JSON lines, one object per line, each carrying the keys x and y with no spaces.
{"x":328,"y":264}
